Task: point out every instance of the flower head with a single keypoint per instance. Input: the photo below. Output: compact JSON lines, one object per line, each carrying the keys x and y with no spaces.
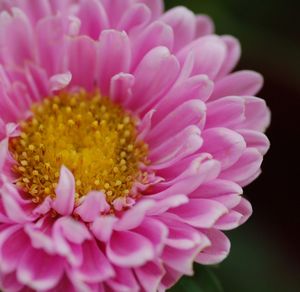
{"x":125,"y":142}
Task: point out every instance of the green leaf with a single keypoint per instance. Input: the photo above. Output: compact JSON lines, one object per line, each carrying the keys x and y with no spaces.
{"x":204,"y":280}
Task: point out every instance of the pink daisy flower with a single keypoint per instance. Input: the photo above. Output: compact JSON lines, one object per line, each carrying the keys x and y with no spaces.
{"x":125,"y":142}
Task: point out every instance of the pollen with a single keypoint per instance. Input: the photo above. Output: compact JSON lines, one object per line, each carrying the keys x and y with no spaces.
{"x":95,"y":138}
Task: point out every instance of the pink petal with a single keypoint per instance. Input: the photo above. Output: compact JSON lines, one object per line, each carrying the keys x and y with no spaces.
{"x":16,"y":29}
{"x":238,"y":83}
{"x":200,"y":213}
{"x":93,"y":18}
{"x":155,"y":231}
{"x":154,"y":35}
{"x":192,"y":112}
{"x":163,"y":205}
{"x":183,"y":144}
{"x":50,"y":34}
{"x":81,"y":61}
{"x":68,"y":236}
{"x":196,"y":87}
{"x":180,"y":260}
{"x":103,"y":227}
{"x":209,"y":52}
{"x":133,"y":217}
{"x":224,"y":145}
{"x":39,"y":10}
{"x":115,"y":10}
{"x":134,"y":18}
{"x":233,"y":55}
{"x":204,"y":25}
{"x":124,"y":282}
{"x":226,"y":192}
{"x":154,"y":76}
{"x":3,"y":152}
{"x":60,"y":81}
{"x":65,"y":193}
{"x":94,"y":203}
{"x":226,"y":112}
{"x":114,"y":56}
{"x":121,"y":87}
{"x":95,"y":267}
{"x":257,"y":114}
{"x":9,"y":282}
{"x":129,"y":249}
{"x":245,"y":169}
{"x":183,"y":23}
{"x":245,"y":209}
{"x":183,"y":236}
{"x":39,"y":238}
{"x":13,"y":243}
{"x":150,"y":276}
{"x":156,"y":6}
{"x":256,"y":140}
{"x":218,"y":251}
{"x":38,"y":270}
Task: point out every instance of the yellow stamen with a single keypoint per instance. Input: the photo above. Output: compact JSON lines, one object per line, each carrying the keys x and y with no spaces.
{"x":93,"y":137}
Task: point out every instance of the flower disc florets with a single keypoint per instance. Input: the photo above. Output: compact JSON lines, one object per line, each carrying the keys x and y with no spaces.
{"x":87,"y":133}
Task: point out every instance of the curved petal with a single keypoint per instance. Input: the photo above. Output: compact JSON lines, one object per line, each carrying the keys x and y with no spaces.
{"x":65,"y":193}
{"x":204,"y":25}
{"x":218,"y":251}
{"x":209,"y":52}
{"x":94,"y":203}
{"x":240,"y":83}
{"x":93,"y":18}
{"x":224,"y":145}
{"x":114,"y":56}
{"x":183,"y":23}
{"x":200,"y":213}
{"x":13,"y":243}
{"x":154,"y":75}
{"x":129,"y":249}
{"x":81,"y":56}
{"x":150,"y":276}
{"x":38,"y":270}
{"x":95,"y":266}
{"x":132,"y":218}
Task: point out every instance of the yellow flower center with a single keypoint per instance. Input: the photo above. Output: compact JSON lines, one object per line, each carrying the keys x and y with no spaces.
{"x":95,"y":138}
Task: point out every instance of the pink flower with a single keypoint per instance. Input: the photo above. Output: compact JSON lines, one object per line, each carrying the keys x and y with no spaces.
{"x":131,"y":162}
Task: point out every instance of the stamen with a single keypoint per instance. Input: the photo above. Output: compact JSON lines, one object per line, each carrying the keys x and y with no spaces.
{"x":93,"y":137}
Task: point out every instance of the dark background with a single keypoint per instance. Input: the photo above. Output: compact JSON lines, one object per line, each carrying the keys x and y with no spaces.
{"x":265,"y":254}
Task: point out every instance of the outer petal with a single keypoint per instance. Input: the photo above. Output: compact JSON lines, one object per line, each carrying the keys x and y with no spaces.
{"x":204,"y":25}
{"x":209,"y":52}
{"x":93,"y":18}
{"x":200,"y":213}
{"x":183,"y":23}
{"x":65,"y":193}
{"x":13,"y":243}
{"x":129,"y":249}
{"x":81,"y":61}
{"x":95,"y":266}
{"x":94,"y":203}
{"x":218,"y":251}
{"x":154,"y":76}
{"x":38,"y":270}
{"x":224,"y":145}
{"x":156,"y":6}
{"x":150,"y":276}
{"x":124,"y":282}
{"x":238,"y":83}
{"x":114,"y":56}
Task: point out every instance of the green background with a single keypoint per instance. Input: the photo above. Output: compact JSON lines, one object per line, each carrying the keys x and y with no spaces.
{"x":265,"y":255}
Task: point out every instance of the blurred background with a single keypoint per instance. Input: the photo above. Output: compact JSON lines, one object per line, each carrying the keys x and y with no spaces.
{"x":265,"y":254}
